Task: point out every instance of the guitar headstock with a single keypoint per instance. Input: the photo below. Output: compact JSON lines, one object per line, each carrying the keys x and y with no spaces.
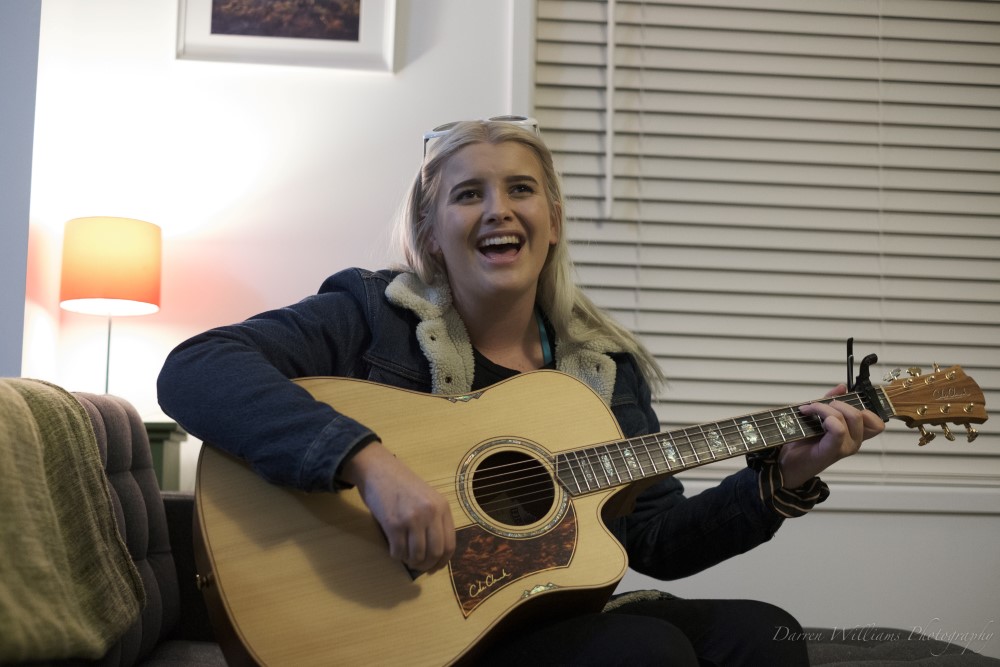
{"x":945,"y":396}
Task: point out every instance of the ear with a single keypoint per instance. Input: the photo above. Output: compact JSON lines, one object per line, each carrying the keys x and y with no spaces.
{"x":555,"y":226}
{"x":433,"y":247}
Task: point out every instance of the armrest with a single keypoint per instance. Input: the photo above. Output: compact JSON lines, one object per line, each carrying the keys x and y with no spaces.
{"x":193,"y":623}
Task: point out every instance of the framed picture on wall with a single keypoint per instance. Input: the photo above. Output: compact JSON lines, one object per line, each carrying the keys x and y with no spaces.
{"x":349,"y":34}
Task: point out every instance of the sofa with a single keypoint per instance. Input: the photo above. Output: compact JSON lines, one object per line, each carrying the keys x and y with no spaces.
{"x":117,"y":586}
{"x":70,"y":462}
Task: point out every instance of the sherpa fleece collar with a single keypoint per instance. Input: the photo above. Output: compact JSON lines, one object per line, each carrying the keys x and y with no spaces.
{"x":445,"y":341}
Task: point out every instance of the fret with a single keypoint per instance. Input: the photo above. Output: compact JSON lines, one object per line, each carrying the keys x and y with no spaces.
{"x":810,"y":425}
{"x":739,"y":429}
{"x":861,"y":402}
{"x":692,"y":446}
{"x":679,"y":448}
{"x":770,"y":430}
{"x":730,"y":449}
{"x":704,"y":447}
{"x":753,"y":438}
{"x":567,"y":465}
{"x":788,"y":425}
{"x":631,"y":463}
{"x":668,"y":449}
{"x":583,"y":476}
{"x":614,"y":457}
{"x":649,"y":455}
{"x":621,"y":462}
{"x":593,"y":460}
{"x":609,"y":467}
{"x":714,"y":440}
{"x":588,"y":477}
{"x":587,"y":469}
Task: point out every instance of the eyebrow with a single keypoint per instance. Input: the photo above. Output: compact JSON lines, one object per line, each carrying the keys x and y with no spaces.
{"x":520,"y":178}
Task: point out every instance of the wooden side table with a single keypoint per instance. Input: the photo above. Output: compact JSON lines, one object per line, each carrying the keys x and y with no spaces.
{"x":165,"y":440}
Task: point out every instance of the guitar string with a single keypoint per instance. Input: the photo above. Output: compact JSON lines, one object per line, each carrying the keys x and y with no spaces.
{"x":616,"y":457}
{"x":718,"y":428}
{"x":614,"y":467}
{"x":701,"y":438}
{"x":539,"y":482}
{"x":695,"y":440}
{"x":700,"y":452}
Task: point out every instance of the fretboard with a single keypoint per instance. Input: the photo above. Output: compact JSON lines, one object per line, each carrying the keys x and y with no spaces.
{"x":621,"y":462}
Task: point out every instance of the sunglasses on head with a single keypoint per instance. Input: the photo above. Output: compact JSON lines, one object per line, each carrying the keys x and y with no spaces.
{"x":520,"y":121}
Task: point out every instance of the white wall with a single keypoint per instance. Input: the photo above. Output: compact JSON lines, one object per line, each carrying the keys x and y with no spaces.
{"x":18,"y":65}
{"x":265,"y":179}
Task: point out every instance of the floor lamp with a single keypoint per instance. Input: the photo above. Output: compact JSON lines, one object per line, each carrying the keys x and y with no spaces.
{"x":110,"y":267}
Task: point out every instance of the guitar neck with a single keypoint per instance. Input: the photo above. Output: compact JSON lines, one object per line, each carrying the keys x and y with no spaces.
{"x":618,"y":463}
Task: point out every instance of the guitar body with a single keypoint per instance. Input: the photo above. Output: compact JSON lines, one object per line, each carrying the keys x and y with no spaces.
{"x":306,"y":579}
{"x":295,"y":578}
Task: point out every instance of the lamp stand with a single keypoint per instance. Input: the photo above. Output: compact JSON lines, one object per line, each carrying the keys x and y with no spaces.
{"x":107,"y":358}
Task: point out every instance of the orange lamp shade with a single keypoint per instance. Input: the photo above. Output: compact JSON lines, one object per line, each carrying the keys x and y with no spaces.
{"x":111,"y":266}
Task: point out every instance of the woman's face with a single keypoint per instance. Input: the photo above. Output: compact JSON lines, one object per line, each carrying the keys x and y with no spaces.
{"x":493,"y":225}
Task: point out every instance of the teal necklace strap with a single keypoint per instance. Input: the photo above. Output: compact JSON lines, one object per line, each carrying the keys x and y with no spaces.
{"x":543,"y":335}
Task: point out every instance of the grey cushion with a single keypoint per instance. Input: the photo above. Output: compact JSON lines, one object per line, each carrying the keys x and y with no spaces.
{"x":142,"y":520}
{"x":128,"y":462}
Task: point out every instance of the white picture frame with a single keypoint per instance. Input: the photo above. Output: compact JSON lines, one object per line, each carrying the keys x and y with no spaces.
{"x":374,"y":50}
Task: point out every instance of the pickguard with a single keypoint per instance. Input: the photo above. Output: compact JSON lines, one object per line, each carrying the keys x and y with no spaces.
{"x":485,"y":563}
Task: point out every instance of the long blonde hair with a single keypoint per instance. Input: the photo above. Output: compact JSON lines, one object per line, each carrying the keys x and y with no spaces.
{"x":559,"y":297}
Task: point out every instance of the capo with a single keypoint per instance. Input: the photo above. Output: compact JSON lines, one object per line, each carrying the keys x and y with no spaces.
{"x":862,"y":384}
{"x":850,"y":364}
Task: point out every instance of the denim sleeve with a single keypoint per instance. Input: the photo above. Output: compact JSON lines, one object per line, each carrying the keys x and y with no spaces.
{"x":670,"y":536}
{"x":230,"y":387}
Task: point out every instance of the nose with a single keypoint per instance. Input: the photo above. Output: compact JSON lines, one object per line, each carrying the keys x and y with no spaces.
{"x":498,"y":206}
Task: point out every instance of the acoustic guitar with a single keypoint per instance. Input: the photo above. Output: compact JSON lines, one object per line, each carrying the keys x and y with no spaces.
{"x":531,"y":467}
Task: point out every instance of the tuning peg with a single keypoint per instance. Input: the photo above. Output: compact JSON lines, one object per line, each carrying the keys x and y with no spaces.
{"x":914,"y":371}
{"x":937,"y":368}
{"x":947,"y":433}
{"x":972,"y":433}
{"x":891,"y":375}
{"x":925,"y":436}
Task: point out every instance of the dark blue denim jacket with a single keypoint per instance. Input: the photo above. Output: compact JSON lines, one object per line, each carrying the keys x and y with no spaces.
{"x":229,"y":387}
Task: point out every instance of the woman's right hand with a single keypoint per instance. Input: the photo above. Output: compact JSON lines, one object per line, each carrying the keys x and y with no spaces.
{"x":415,"y":518}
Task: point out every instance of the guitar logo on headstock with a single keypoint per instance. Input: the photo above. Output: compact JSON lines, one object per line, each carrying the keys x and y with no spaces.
{"x":944,"y":396}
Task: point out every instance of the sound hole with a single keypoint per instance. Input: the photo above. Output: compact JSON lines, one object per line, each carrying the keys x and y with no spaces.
{"x":513,"y":488}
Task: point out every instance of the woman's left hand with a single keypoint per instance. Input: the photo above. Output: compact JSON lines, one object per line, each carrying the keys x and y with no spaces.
{"x":844,"y":429}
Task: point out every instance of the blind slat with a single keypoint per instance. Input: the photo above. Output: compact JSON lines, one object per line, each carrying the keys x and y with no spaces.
{"x":787,"y":175}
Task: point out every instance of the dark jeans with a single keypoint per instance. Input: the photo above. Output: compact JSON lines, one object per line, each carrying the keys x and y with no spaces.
{"x":664,"y":631}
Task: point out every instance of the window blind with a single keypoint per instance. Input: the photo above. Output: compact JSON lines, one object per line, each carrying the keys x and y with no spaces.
{"x":751,"y":184}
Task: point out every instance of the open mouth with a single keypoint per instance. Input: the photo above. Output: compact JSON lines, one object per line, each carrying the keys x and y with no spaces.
{"x":500,"y":246}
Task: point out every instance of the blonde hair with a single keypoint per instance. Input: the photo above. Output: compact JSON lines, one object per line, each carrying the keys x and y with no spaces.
{"x":558,"y":294}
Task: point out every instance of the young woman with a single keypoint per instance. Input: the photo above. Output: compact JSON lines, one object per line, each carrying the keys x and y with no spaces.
{"x":487,"y":293}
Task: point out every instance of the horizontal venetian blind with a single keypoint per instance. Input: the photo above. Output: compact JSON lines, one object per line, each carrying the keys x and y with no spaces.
{"x":750,"y":184}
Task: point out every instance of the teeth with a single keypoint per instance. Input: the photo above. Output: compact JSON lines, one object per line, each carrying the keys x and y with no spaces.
{"x":499,"y":240}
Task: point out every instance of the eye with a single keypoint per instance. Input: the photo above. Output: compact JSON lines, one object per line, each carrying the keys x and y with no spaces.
{"x":523,"y":189}
{"x":467,"y":195}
